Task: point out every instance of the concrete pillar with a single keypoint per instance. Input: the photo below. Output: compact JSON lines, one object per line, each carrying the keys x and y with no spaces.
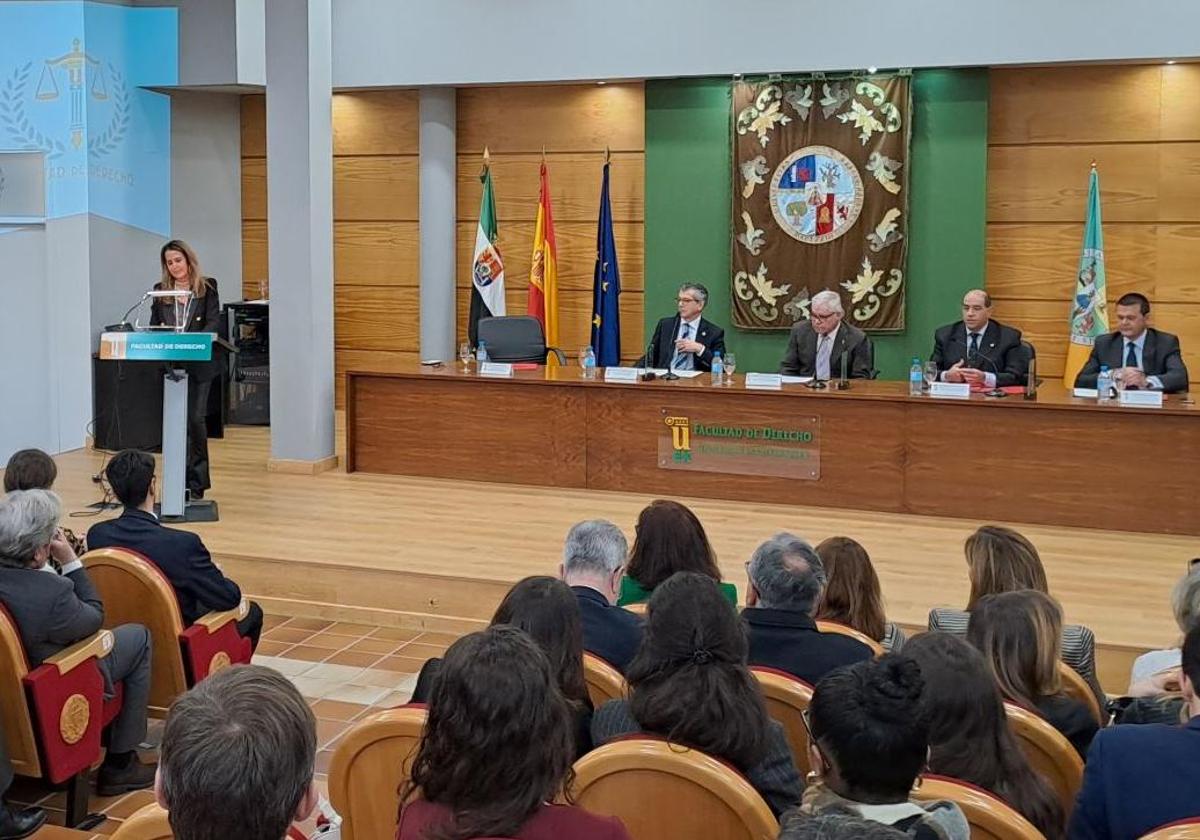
{"x":300,"y":229}
{"x":438,"y":215}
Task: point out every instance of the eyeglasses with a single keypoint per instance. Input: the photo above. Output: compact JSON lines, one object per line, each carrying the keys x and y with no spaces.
{"x":806,"y":719}
{"x":686,"y":300}
{"x":817,"y":316}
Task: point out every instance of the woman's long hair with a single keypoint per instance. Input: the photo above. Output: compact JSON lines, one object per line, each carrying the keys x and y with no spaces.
{"x":196,"y":281}
{"x":1001,"y":560}
{"x":969,"y":736}
{"x":689,"y":681}
{"x":547,"y":609}
{"x":669,"y":539}
{"x":498,"y":741}
{"x":852,"y":593}
{"x":1020,"y":637}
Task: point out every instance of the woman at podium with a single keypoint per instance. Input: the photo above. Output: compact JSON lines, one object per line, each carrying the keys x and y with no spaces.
{"x":181,"y":272}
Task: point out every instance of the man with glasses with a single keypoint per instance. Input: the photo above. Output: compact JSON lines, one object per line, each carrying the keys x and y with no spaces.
{"x":686,"y":341}
{"x":815,"y":347}
{"x":977,"y":349}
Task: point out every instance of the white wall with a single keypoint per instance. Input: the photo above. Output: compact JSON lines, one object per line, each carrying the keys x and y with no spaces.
{"x":439,"y":42}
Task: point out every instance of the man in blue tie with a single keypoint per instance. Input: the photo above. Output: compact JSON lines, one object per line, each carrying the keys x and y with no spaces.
{"x":686,"y":341}
{"x":1139,"y":355}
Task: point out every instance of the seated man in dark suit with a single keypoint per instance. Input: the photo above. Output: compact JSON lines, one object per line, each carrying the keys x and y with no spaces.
{"x":686,"y":341}
{"x":1140,"y":777}
{"x":199,"y":585}
{"x":54,"y":610}
{"x":787,"y":579}
{"x":977,"y":349}
{"x":593,"y":563}
{"x":1137,"y":354}
{"x":815,"y":347}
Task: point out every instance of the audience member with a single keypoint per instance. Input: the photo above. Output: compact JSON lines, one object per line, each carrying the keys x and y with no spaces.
{"x":238,"y":752}
{"x":33,"y":469}
{"x":969,"y":737}
{"x":786,"y":578}
{"x":593,"y":564}
{"x":15,"y":823}
{"x":797,"y":825}
{"x":1141,"y":777}
{"x":55,"y":611}
{"x":668,"y":538}
{"x":1157,"y":672}
{"x":548,"y":611}
{"x":497,"y":750}
{"x":199,"y":585}
{"x":1019,"y":634}
{"x":689,"y":684}
{"x":1001,"y":560}
{"x":852,"y":593}
{"x":868,"y":746}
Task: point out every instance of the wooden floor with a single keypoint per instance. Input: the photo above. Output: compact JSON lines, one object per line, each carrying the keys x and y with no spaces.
{"x":439,"y":554}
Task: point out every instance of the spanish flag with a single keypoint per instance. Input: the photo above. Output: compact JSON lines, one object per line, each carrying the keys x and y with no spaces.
{"x":1089,"y":305}
{"x":543,"y":273}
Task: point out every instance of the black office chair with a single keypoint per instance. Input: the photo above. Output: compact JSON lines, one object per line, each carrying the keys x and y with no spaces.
{"x":517,"y":338}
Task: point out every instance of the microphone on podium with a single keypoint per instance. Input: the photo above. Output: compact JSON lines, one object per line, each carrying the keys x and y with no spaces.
{"x":123,"y":325}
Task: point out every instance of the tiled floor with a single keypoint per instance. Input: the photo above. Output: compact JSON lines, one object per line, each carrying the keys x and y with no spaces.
{"x":345,"y":671}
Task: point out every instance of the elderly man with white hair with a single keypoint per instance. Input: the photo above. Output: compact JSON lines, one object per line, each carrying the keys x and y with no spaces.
{"x":54,"y":610}
{"x":593,"y":564}
{"x":816,"y":346}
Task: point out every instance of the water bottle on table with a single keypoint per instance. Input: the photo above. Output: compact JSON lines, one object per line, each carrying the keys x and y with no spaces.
{"x":481,"y":354}
{"x":718,"y":369}
{"x":589,"y":364}
{"x":1104,"y":384}
{"x":916,"y":378}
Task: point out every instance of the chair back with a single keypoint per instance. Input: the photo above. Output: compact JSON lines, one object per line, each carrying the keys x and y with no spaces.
{"x":370,"y":764}
{"x":16,"y":723}
{"x":147,"y":823}
{"x":846,"y":630}
{"x":135,"y":591}
{"x":638,"y":608}
{"x":787,"y":699}
{"x":604,"y":682}
{"x":632,"y":779}
{"x":1076,"y":687}
{"x":990,"y":817}
{"x":1049,"y":752}
{"x":1188,"y":829}
{"x":513,"y":338}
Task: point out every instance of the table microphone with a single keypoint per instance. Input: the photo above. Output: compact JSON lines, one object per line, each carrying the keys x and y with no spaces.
{"x":647,"y":374}
{"x":994,"y":392}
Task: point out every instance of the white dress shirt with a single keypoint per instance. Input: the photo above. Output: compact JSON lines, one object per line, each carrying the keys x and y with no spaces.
{"x":682,"y":360}
{"x":989,"y":378}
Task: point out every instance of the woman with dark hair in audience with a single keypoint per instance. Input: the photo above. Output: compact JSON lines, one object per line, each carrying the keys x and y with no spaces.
{"x":852,"y":594}
{"x":969,"y":738}
{"x":1001,"y":560}
{"x":497,"y":749}
{"x":689,"y":684}
{"x":869,"y":744}
{"x":33,"y":469}
{"x":546,"y":609}
{"x":668,"y":539}
{"x":1019,"y":635}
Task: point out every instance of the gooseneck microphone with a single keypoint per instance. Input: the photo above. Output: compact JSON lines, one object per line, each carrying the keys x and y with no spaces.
{"x":123,"y":325}
{"x":972,"y":361}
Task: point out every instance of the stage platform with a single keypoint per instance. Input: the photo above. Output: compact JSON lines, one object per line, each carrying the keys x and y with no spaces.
{"x":439,"y":554}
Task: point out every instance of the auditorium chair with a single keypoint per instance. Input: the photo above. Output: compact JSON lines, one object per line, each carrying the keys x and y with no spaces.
{"x":1049,"y":752}
{"x":370,"y":764}
{"x":1188,"y":829}
{"x":787,"y":699}
{"x":1076,"y":687}
{"x":135,"y":591}
{"x":662,"y":791}
{"x":604,"y":682}
{"x":52,"y":716}
{"x":990,"y":817}
{"x":516,"y":338}
{"x":857,"y":635}
{"x":147,"y":823}
{"x":637,"y":609}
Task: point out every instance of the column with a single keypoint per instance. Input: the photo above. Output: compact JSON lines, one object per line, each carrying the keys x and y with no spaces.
{"x":300,"y":230}
{"x":438,"y":181}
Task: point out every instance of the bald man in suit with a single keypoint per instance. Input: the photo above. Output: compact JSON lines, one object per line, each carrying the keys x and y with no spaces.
{"x":978,"y":349}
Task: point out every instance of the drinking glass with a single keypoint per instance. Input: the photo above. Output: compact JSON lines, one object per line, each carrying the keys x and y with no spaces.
{"x":583,"y":371}
{"x":930,"y":373}
{"x":464,"y":355}
{"x":730,"y":367}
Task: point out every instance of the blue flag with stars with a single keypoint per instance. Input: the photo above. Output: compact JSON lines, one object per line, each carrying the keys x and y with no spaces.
{"x":606,"y":288}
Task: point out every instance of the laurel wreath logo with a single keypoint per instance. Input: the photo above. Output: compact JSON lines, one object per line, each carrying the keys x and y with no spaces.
{"x":15,"y":118}
{"x":110,"y":139}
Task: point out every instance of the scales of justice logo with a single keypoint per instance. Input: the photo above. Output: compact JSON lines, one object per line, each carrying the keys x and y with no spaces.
{"x":78,"y":76}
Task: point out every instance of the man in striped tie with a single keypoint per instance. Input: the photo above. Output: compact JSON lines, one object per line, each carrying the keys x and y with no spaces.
{"x":816,"y":346}
{"x":686,"y":341}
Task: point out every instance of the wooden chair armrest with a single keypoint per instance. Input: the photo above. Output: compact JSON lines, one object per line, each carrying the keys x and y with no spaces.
{"x":97,"y":646}
{"x":214,"y":621}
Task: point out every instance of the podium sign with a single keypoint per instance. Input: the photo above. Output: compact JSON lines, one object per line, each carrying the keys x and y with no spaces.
{"x":741,"y":443}
{"x":157,"y":346}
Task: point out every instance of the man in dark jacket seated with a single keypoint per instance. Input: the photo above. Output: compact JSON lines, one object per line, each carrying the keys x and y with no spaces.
{"x":199,"y":585}
{"x":787,"y":579}
{"x":54,"y":610}
{"x":593,"y":564}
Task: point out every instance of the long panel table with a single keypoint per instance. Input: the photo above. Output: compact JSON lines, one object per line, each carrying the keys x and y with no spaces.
{"x":1055,"y":460}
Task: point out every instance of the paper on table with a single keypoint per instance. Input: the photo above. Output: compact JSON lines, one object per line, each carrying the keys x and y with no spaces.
{"x":797,"y":380}
{"x":682,"y":374}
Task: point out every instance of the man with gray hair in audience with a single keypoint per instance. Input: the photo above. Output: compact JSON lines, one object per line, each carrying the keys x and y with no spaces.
{"x":787,"y":580}
{"x":593,"y":565}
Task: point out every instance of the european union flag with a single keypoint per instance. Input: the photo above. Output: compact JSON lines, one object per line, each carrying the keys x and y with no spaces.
{"x":606,"y":288}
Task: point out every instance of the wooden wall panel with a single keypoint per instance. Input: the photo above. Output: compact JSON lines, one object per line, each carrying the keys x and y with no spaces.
{"x":378,"y":122}
{"x":376,"y":318}
{"x":558,"y":118}
{"x":254,"y":126}
{"x":1141,"y":126}
{"x":254,"y":259}
{"x":575,"y":181}
{"x":375,"y":188}
{"x":376,"y":253}
{"x":254,"y":189}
